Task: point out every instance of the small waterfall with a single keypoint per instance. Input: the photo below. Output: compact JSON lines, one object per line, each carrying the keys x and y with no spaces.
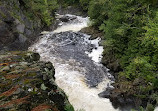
{"x":76,"y":61}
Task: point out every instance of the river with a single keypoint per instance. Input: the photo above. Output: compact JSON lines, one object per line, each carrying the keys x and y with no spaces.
{"x":77,"y":64}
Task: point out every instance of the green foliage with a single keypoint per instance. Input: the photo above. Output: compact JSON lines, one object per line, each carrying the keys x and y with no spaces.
{"x":97,"y":11}
{"x":42,"y":9}
{"x":66,"y":3}
{"x":149,"y":107}
{"x":69,"y":107}
{"x":150,"y":44}
{"x":140,"y":67}
{"x":131,"y":33}
{"x":154,"y":97}
{"x":84,"y":4}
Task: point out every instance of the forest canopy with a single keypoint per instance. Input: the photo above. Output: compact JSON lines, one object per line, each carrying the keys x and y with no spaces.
{"x":42,"y":9}
{"x":131,"y":31}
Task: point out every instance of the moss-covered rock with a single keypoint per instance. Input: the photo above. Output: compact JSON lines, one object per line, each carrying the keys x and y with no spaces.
{"x":27,"y":84}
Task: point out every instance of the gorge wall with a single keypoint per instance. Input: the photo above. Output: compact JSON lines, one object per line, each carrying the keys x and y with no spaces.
{"x":26,"y":83}
{"x":19,"y":25}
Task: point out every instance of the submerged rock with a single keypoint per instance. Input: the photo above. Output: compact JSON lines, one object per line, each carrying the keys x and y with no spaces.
{"x":106,"y":93}
{"x":67,"y":18}
{"x":27,"y":84}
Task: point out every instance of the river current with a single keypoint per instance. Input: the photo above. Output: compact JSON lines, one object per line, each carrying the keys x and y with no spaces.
{"x":77,"y":64}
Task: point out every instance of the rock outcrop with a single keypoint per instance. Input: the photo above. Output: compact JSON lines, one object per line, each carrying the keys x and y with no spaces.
{"x":17,"y":29}
{"x":27,"y":84}
{"x":93,"y":32}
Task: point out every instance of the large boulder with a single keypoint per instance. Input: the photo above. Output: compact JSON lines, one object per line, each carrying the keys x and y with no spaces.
{"x":67,"y":18}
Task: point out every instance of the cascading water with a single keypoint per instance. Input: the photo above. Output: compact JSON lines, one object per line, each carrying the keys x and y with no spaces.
{"x":76,"y":61}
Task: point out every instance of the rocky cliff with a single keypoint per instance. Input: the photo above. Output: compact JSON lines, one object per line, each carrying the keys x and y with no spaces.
{"x":27,"y":84}
{"x":18,"y":25}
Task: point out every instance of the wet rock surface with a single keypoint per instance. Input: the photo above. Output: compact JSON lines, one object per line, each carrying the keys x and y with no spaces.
{"x":125,"y":94}
{"x":71,"y":46}
{"x":67,"y":18}
{"x":27,"y":84}
{"x":106,"y":93}
{"x":122,"y":93}
{"x":93,"y":32}
{"x":108,"y":60}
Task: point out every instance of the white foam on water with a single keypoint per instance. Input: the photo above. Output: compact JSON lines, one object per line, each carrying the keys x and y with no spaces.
{"x":156,"y":109}
{"x":70,"y":77}
{"x":96,"y":53}
{"x":74,"y":26}
{"x":79,"y":94}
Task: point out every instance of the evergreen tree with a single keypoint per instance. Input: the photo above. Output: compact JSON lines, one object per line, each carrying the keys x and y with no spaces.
{"x":43,"y":9}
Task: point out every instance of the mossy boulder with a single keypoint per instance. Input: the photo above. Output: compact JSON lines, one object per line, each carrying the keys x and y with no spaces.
{"x":27,"y":84}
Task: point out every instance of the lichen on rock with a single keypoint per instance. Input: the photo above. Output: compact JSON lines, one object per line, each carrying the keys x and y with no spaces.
{"x":27,"y":84}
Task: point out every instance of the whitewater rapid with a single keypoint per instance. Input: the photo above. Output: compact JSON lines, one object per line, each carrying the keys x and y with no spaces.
{"x":75,"y":57}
